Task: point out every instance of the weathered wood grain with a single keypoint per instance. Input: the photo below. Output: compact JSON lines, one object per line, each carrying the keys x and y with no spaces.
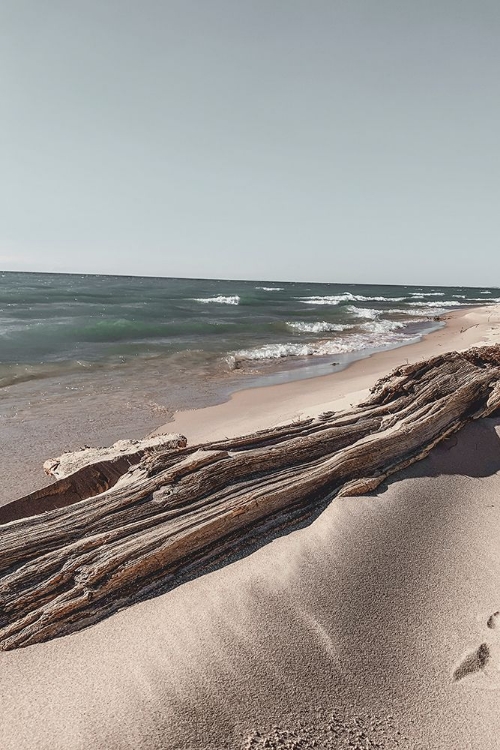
{"x":73,"y":565}
{"x":85,"y":473}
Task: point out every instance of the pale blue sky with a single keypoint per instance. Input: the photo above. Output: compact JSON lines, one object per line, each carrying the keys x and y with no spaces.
{"x":354,"y":141}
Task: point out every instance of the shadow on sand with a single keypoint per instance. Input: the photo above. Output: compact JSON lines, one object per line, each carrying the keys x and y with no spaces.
{"x":472,"y":452}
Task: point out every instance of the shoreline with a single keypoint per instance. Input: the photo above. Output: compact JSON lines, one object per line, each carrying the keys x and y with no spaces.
{"x":260,"y":407}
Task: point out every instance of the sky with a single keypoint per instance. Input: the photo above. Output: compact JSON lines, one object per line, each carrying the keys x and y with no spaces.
{"x":337,"y":140}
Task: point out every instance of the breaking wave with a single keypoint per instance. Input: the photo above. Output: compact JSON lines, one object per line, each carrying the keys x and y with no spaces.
{"x":220,"y":300}
{"x":420,"y":313}
{"x":429,"y":303}
{"x":320,"y":326}
{"x":270,"y":288}
{"x":364,"y":312}
{"x":383,"y":326}
{"x":490,"y":301}
{"x":426,"y":294}
{"x":336,"y":299}
{"x":374,"y":334}
{"x":342,"y":345}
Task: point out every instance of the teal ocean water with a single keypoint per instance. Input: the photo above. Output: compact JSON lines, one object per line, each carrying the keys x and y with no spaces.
{"x":59,"y":325}
{"x":92,"y":359}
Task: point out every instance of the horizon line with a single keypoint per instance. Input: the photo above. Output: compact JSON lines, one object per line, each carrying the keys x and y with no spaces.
{"x":216,"y":278}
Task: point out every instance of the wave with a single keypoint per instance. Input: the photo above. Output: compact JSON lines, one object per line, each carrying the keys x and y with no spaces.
{"x":455,"y":302}
{"x":420,"y":314}
{"x":336,"y":299}
{"x":317,"y":327}
{"x":270,"y":288}
{"x":364,"y":312}
{"x":490,"y":301}
{"x":375,"y":325}
{"x":426,"y":294}
{"x":326,"y":300}
{"x":383,"y":326}
{"x":220,"y":299}
{"x":362,"y":298}
{"x":329,"y":347}
{"x":430,"y":303}
{"x":486,"y":291}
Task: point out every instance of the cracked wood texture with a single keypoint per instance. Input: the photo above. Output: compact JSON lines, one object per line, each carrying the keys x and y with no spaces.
{"x":180,"y":507}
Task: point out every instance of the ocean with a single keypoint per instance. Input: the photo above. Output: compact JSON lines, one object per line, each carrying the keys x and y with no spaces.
{"x":88,"y":358}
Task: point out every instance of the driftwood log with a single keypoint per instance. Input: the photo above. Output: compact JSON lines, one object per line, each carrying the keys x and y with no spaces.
{"x":177,"y":507}
{"x":85,"y":473}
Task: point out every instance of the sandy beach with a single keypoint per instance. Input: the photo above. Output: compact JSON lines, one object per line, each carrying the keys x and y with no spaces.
{"x":375,"y":625}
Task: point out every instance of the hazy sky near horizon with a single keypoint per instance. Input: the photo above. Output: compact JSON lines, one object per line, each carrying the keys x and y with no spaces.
{"x":335,"y":140}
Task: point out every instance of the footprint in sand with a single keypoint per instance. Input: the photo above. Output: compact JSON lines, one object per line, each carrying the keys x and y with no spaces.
{"x":481,"y":658}
{"x":473,"y":662}
{"x":493,"y":620}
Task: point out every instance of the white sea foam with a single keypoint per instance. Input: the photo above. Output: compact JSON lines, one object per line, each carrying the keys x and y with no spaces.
{"x":378,"y":324}
{"x":485,"y":291}
{"x":327,"y":300}
{"x":220,"y":299}
{"x":319,"y":326}
{"x":342,"y":345}
{"x":383,"y":326}
{"x":364,"y":312}
{"x":429,"y":303}
{"x":490,"y":301}
{"x":420,"y":314}
{"x":278,"y":351}
{"x":270,"y":288}
{"x":426,"y":294}
{"x":362,"y":298}
{"x":335,"y":299}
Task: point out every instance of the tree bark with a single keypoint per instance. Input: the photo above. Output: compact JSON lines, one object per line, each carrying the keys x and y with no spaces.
{"x":180,"y":506}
